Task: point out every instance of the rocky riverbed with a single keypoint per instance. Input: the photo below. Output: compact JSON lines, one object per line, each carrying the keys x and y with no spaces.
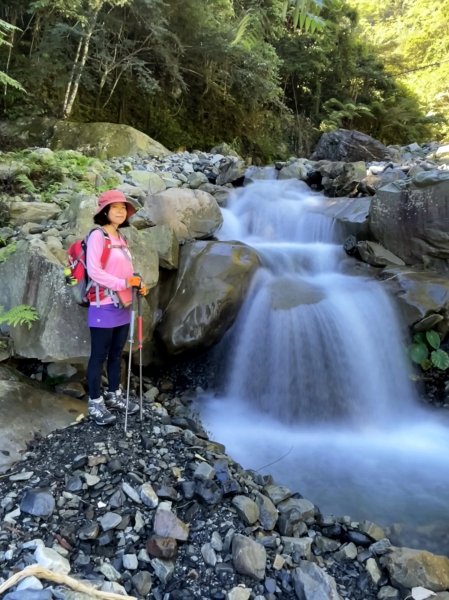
{"x":162,"y":512}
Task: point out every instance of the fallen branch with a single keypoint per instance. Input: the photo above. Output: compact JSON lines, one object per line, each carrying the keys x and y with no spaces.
{"x":70,"y":582}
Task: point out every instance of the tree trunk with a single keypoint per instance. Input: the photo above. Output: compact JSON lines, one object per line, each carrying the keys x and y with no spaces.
{"x":78,"y":68}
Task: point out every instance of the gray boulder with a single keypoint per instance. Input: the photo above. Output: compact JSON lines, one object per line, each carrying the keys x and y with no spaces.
{"x":419,"y":293}
{"x":350,"y":146}
{"x":191,"y":214}
{"x":104,"y":140}
{"x":410,"y":219}
{"x":209,"y":290}
{"x":410,"y":568}
{"x":350,"y":214}
{"x":35,"y":277}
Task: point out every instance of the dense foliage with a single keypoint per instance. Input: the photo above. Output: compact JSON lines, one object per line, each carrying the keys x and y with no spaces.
{"x":411,"y":37}
{"x":264,"y":75}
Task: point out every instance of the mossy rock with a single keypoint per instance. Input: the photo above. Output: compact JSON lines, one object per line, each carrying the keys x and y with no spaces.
{"x":104,"y":140}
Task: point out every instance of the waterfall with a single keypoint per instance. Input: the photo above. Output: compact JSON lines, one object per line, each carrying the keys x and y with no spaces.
{"x":317,"y":387}
{"x":312,"y":344}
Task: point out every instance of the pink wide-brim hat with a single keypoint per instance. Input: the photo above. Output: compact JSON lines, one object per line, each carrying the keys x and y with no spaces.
{"x":111,"y":196}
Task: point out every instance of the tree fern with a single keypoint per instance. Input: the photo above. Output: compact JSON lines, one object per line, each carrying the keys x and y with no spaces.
{"x":19,"y":315}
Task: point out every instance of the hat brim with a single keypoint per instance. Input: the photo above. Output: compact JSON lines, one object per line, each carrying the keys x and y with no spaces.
{"x":130,"y":208}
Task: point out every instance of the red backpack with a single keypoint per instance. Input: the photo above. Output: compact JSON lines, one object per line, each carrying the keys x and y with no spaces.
{"x":83,"y":288}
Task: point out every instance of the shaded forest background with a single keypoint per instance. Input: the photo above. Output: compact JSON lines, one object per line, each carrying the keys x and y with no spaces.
{"x":266,"y":76}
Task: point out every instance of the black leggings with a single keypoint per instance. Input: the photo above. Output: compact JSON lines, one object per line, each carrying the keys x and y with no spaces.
{"x":105,"y":344}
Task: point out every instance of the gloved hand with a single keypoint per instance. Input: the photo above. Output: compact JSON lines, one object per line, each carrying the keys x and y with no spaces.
{"x":143,"y":291}
{"x":134,"y":281}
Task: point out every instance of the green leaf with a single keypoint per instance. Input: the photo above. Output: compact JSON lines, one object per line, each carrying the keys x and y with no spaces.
{"x":419,"y":338}
{"x":418,"y":353}
{"x":433,"y":339}
{"x":440,"y":359}
{"x":19,"y":315}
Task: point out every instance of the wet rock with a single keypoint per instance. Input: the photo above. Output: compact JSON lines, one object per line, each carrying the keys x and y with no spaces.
{"x":162,"y":547}
{"x":248,"y":557}
{"x":51,"y":560}
{"x":411,"y":568}
{"x":38,"y":502}
{"x":166,"y":524}
{"x":312,"y":583}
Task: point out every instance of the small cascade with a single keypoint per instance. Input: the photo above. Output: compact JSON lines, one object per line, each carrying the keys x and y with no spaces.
{"x":316,"y":379}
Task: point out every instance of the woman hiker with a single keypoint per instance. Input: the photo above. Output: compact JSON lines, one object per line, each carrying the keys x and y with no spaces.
{"x":109,"y":312}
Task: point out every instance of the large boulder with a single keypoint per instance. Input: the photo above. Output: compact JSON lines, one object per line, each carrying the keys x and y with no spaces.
{"x":35,"y":277}
{"x":26,"y":132}
{"x":350,"y":146}
{"x":191,"y":214}
{"x":105,"y":140}
{"x":410,"y":568}
{"x":420,"y":293}
{"x":210,"y":287}
{"x":350,"y":215}
{"x":410,"y":219}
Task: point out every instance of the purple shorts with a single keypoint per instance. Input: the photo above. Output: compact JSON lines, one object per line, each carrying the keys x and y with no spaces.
{"x":107,"y":316}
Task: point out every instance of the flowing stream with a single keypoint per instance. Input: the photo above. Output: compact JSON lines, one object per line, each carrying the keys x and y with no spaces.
{"x":316,"y":385}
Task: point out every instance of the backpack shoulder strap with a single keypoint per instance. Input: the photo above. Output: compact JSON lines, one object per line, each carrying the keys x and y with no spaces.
{"x":106,"y":247}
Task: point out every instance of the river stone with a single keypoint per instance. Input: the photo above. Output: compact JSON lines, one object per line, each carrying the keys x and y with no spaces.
{"x":162,"y":547}
{"x":239,"y":593}
{"x":287,"y":293}
{"x":148,"y":495}
{"x":29,"y":595}
{"x":34,"y":212}
{"x":420,"y":293}
{"x":301,"y":546}
{"x":51,"y":560}
{"x":231,"y":170}
{"x":350,"y":215}
{"x":268,"y":513}
{"x":104,"y":140}
{"x":277,"y":493}
{"x":148,"y":181}
{"x":313,"y":583}
{"x":411,"y":568}
{"x":248,"y":557}
{"x":38,"y":502}
{"x":298,"y":169}
{"x":167,"y":524}
{"x":110,"y":520}
{"x":301,"y":507}
{"x":246,"y":508}
{"x":376,"y":255}
{"x":409,"y":218}
{"x":143,"y":582}
{"x":350,"y":146}
{"x":191,"y":214}
{"x":210,"y":287}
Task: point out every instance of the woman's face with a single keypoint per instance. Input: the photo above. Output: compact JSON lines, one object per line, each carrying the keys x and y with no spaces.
{"x":117,"y":213}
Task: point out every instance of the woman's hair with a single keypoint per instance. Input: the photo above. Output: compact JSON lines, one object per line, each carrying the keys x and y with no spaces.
{"x":103,"y":218}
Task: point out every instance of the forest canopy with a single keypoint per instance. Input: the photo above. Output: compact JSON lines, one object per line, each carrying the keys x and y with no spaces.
{"x":266,"y":76}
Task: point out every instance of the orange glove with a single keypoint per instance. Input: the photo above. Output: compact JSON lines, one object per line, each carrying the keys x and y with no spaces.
{"x":143,"y":291}
{"x":134,"y":281}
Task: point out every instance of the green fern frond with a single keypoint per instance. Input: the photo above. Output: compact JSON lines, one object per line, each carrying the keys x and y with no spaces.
{"x":19,"y":315}
{"x":25,"y":183}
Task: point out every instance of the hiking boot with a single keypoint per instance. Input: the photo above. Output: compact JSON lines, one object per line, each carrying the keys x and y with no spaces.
{"x":116,"y":401}
{"x":99,"y":413}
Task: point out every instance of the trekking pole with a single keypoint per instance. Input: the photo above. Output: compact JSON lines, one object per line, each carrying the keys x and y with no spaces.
{"x":139,"y":345}
{"x":131,"y":342}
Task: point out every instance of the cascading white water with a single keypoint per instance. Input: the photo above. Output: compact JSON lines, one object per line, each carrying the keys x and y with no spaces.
{"x":316,"y":377}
